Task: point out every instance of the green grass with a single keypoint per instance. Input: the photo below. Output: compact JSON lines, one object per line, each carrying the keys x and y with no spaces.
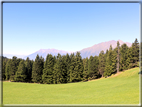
{"x":122,"y":88}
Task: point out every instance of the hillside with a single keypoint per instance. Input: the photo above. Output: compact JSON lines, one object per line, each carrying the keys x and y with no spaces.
{"x":122,"y":88}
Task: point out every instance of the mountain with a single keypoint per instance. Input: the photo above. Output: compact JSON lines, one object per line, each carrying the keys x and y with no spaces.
{"x":95,"y":49}
{"x":44,"y":52}
{"x":87,"y":52}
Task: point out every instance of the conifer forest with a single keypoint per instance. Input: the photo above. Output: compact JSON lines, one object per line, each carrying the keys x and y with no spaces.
{"x":71,"y":68}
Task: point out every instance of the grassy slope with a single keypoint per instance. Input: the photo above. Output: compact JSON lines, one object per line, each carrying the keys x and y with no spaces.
{"x":118,"y":89}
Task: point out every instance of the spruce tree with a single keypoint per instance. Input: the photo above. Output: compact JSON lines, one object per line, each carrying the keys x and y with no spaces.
{"x":135,"y":52}
{"x":21,"y":72}
{"x":96,"y":69}
{"x":78,"y":70}
{"x":110,"y":65}
{"x":85,"y":72}
{"x":72,"y":67}
{"x":58,"y":70}
{"x":4,"y":70}
{"x":28,"y":65}
{"x":47,"y":76}
{"x":67,"y":64}
{"x":93,"y":64}
{"x":118,"y":56}
{"x":124,"y":57}
{"x":90,"y":67}
{"x":37,"y":70}
{"x":13,"y":68}
{"x":101,"y":66}
{"x":7,"y":70}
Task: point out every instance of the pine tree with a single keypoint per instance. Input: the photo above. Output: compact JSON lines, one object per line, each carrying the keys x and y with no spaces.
{"x":118,"y":56}
{"x":13,"y":68}
{"x":110,"y":65}
{"x":85,"y":72}
{"x":124,"y":56}
{"x":3,"y":70}
{"x":78,"y":70}
{"x":93,"y":70}
{"x":108,"y":70}
{"x":21,"y":72}
{"x":71,"y":68}
{"x":47,"y":76}
{"x":101,"y":66}
{"x":58,"y":71}
{"x":96,"y":69}
{"x":67,"y":63}
{"x":135,"y":52}
{"x":37,"y":69}
{"x":7,"y":70}
{"x":28,"y":65}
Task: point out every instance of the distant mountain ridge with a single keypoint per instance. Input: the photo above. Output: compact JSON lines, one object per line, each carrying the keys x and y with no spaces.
{"x":44,"y":52}
{"x":95,"y":49}
{"x":86,"y":52}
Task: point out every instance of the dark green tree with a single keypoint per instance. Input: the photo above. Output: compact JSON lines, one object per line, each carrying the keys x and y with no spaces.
{"x":124,"y":56}
{"x":21,"y":72}
{"x":72,"y":67}
{"x":4,"y":70}
{"x":135,"y":53}
{"x":85,"y":72}
{"x":118,"y":56}
{"x":37,"y":69}
{"x":110,"y":65}
{"x":13,"y":68}
{"x":93,"y":70}
{"x":67,"y":64}
{"x":78,"y":70}
{"x":58,"y":72}
{"x":28,"y":65}
{"x":47,"y":76}
{"x":7,"y":70}
{"x":101,"y":66}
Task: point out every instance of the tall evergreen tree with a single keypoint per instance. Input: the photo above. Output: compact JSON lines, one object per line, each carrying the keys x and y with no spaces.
{"x":37,"y":69}
{"x":124,"y":56}
{"x":28,"y":65}
{"x":110,"y":66}
{"x":21,"y":72}
{"x":72,"y":67}
{"x":65,"y":67}
{"x":13,"y":68}
{"x":85,"y":72}
{"x":47,"y":76}
{"x":96,"y":69}
{"x":135,"y":52}
{"x":67,"y":63}
{"x":7,"y":70}
{"x":4,"y":70}
{"x":93,"y":64}
{"x":101,"y":66}
{"x":118,"y":56}
{"x":57,"y":70}
{"x":78,"y":70}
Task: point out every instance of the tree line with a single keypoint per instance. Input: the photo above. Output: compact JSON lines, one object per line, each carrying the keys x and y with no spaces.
{"x":71,"y":68}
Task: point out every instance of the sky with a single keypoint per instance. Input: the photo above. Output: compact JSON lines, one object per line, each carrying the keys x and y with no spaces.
{"x":29,"y":27}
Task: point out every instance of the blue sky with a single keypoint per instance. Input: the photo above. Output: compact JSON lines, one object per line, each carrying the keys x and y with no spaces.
{"x":28,"y":27}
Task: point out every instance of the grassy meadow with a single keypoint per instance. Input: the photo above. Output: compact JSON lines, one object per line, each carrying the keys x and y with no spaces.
{"x":122,"y":88}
